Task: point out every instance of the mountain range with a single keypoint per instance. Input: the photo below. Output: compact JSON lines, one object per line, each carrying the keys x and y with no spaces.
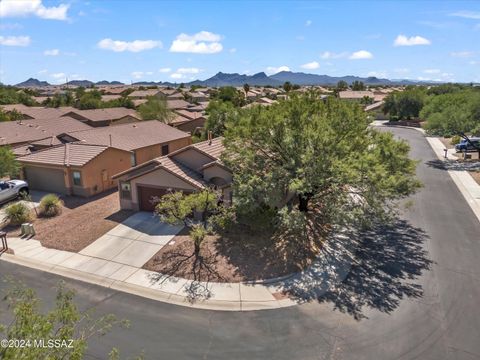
{"x":235,"y":79}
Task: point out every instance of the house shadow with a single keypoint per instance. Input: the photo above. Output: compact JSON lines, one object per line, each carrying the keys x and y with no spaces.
{"x":454,"y":165}
{"x":385,"y":263}
{"x":73,"y":202}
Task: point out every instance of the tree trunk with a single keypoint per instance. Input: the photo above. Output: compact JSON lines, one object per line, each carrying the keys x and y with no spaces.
{"x":303,"y":202}
{"x":197,"y":249}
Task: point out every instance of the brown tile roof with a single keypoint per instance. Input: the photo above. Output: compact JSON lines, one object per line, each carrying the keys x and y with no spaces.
{"x":178,"y":104}
{"x":15,"y":132}
{"x":38,"y":112}
{"x":179,"y":119}
{"x":111,"y":97}
{"x":105,"y":114}
{"x":138,"y":102}
{"x":189,"y":114}
{"x":64,"y":155}
{"x":181,"y":171}
{"x":131,"y":136}
{"x":145,"y":93}
{"x":349,"y":94}
{"x":214,"y":149}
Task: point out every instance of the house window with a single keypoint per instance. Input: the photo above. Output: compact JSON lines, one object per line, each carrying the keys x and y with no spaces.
{"x":77,"y":178}
{"x":165,"y":150}
{"x":133,"y":159}
{"x":125,"y":190}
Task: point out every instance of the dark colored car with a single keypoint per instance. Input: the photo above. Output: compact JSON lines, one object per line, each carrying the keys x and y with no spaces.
{"x":464,"y":145}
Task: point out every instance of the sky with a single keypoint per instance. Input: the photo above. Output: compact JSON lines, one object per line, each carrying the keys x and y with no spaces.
{"x":185,"y":40}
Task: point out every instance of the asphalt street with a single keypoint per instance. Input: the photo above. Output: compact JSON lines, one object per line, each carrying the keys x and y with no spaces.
{"x":414,"y":294}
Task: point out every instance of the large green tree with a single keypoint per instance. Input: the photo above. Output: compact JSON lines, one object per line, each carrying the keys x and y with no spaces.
{"x":304,"y":162}
{"x":219,"y":113}
{"x":406,"y":104}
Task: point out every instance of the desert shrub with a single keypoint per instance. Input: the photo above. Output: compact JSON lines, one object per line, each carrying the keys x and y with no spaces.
{"x":17,"y":213}
{"x":455,"y":139}
{"x":50,"y":205}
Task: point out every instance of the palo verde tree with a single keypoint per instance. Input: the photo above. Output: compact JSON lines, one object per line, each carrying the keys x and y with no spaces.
{"x":9,"y":166}
{"x":64,"y":330}
{"x":178,"y":208}
{"x":156,"y":109}
{"x":307,"y":162}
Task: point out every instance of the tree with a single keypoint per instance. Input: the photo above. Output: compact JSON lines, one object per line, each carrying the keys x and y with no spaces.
{"x":64,"y":326}
{"x":156,"y":109}
{"x":219,"y":113}
{"x":287,"y":86}
{"x":342,"y":85}
{"x":9,"y":165}
{"x":406,"y":104}
{"x":308,"y":164}
{"x":230,"y":94}
{"x":10,"y":115}
{"x":246,"y":88}
{"x":367,"y":100}
{"x":177,"y":208}
{"x":358,"y":85}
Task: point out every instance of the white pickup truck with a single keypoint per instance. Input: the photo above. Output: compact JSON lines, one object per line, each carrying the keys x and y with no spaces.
{"x":12,"y":189}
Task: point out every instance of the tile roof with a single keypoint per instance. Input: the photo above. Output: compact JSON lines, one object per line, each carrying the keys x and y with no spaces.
{"x":38,"y":112}
{"x":178,"y":104}
{"x":214,"y":148}
{"x":65,"y":155}
{"x":182,"y":171}
{"x":15,"y":132}
{"x":349,"y":94}
{"x":189,"y":114}
{"x":144,"y":93}
{"x":131,"y":136}
{"x":105,"y":114}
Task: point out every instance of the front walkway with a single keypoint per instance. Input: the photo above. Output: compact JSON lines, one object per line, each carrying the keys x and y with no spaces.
{"x":115,"y":261}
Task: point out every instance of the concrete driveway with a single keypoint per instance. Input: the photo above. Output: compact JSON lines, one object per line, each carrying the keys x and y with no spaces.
{"x":133,"y":242}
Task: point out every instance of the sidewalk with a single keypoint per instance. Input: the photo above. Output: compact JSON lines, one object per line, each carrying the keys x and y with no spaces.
{"x":327,"y":271}
{"x":469,"y":188}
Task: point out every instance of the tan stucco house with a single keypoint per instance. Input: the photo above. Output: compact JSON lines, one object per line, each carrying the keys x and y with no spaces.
{"x":190,"y":169}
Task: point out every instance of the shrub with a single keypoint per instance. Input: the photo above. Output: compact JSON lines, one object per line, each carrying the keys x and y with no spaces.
{"x":17,"y":213}
{"x":455,"y":139}
{"x":50,"y":205}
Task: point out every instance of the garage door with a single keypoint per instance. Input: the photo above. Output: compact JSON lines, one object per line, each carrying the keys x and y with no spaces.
{"x":44,"y":179}
{"x":146,"y":196}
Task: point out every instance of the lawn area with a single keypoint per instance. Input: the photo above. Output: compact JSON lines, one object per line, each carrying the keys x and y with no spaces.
{"x":81,"y":222}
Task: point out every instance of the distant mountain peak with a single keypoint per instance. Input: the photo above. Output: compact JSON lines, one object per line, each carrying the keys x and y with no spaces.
{"x":32,"y":82}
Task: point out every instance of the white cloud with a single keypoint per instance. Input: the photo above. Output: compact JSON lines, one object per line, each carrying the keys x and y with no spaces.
{"x":15,"y":40}
{"x":11,"y":26}
{"x":164,"y":70}
{"x":44,"y":71}
{"x":402,"y":70}
{"x":308,"y":22}
{"x":133,"y":46}
{"x":377,"y":74}
{"x":402,"y":40}
{"x":137,"y":74}
{"x":361,"y":54}
{"x":432,"y":71}
{"x":177,"y":76}
{"x":233,"y":50}
{"x":58,"y":76}
{"x":203,"y":42}
{"x":467,"y":14}
{"x":53,"y":52}
{"x":462,"y":54}
{"x":273,"y":70}
{"x":188,"y":70}
{"x":311,"y":65}
{"x":332,"y":55}
{"x":23,"y":8}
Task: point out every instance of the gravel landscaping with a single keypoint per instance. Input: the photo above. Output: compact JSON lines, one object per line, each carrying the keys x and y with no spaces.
{"x":81,"y":222}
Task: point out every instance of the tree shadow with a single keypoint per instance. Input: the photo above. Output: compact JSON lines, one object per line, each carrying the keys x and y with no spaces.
{"x":454,"y":165}
{"x":376,"y":271}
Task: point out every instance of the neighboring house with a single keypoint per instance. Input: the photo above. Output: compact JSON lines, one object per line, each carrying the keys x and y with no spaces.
{"x":145,"y":139}
{"x":188,"y":124}
{"x":178,"y":104}
{"x":142,"y":94}
{"x":105,"y":117}
{"x":37,"y":112}
{"x":376,"y":110}
{"x":355,"y":95}
{"x":111,"y":97}
{"x":23,"y":132}
{"x":74,"y":169}
{"x":189,"y":169}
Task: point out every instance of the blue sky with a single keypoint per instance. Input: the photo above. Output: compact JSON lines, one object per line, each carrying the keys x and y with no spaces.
{"x":184,"y":40}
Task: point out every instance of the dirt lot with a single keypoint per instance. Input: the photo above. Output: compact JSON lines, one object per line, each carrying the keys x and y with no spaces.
{"x":232,"y":258}
{"x":81,"y":222}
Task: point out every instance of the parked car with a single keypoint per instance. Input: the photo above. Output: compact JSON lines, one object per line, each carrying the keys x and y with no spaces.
{"x":464,"y":145}
{"x":12,"y":189}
